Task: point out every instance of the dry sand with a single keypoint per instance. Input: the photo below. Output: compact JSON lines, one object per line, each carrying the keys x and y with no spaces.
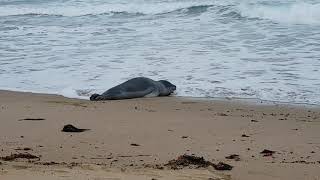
{"x":133,"y":139}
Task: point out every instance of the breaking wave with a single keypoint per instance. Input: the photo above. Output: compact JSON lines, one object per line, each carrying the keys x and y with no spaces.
{"x":296,"y":13}
{"x":83,"y":10}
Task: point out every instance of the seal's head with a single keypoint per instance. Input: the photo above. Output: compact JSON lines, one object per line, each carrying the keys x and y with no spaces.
{"x":95,"y":97}
{"x":170,"y":87}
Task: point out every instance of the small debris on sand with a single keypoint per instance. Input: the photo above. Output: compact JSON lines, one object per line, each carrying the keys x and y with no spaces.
{"x":184,"y":137}
{"x":244,"y":135}
{"x":71,"y":128}
{"x":300,"y":162}
{"x":49,"y":163}
{"x":236,"y":157}
{"x":19,"y":156}
{"x":221,"y":114}
{"x":134,"y":144}
{"x":197,"y":162}
{"x":267,"y":152}
{"x":155,"y":166}
{"x":282,"y":119}
{"x":253,"y":120}
{"x":187,"y":160}
{"x":222,"y":166}
{"x":32,"y":119}
{"x":24,"y":149}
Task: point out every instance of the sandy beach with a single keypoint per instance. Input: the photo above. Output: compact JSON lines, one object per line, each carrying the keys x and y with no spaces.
{"x":135,"y":139}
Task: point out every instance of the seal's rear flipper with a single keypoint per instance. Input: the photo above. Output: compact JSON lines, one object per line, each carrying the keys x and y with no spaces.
{"x":94,"y":97}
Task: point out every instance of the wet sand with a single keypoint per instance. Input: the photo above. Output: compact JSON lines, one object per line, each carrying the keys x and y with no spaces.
{"x":134,"y":139}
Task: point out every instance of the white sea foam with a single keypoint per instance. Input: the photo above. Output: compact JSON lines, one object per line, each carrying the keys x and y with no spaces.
{"x":296,"y":13}
{"x":207,"y":51}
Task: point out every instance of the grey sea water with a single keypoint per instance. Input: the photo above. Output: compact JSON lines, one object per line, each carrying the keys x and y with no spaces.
{"x":208,"y":48}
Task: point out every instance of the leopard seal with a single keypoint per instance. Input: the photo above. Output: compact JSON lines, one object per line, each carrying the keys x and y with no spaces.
{"x":136,"y":88}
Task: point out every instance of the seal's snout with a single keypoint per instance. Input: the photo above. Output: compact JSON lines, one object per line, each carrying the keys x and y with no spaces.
{"x":171,"y":87}
{"x":174,"y":88}
{"x":94,"y":97}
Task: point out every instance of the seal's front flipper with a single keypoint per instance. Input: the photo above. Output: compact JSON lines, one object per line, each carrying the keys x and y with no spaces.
{"x":153,"y":93}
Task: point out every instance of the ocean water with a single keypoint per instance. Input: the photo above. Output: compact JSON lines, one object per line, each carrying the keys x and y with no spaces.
{"x":266,"y":49}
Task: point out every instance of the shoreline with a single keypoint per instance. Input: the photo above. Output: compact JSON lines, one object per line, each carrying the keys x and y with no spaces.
{"x":253,"y":101}
{"x":130,"y":139}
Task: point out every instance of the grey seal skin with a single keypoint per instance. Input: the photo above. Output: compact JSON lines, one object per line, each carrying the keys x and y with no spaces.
{"x":136,"y":88}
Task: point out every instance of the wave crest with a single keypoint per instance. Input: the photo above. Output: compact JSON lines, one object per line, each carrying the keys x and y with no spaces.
{"x":297,"y":13}
{"x":89,"y":9}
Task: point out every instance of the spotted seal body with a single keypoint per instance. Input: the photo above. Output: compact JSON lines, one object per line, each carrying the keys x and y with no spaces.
{"x":136,"y":88}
